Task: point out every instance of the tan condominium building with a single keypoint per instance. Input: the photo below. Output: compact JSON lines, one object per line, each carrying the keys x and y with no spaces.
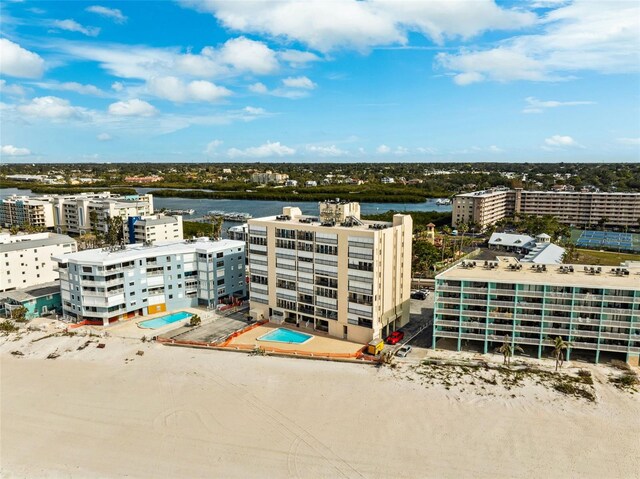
{"x":333,"y":273}
{"x":485,"y":208}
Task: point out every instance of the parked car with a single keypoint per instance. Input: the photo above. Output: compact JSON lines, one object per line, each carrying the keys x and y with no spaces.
{"x":403,"y":351}
{"x":395,"y":337}
{"x":419,"y":295}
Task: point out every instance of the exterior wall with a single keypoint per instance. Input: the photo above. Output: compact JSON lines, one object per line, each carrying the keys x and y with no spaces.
{"x":32,"y":264}
{"x":158,"y":280}
{"x":592,"y":319}
{"x":352,"y":283}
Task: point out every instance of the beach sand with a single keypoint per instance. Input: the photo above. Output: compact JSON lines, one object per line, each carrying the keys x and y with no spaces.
{"x":176,"y":412}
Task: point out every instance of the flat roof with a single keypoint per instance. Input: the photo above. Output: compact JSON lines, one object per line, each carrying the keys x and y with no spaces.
{"x":53,"y":239}
{"x":314,"y":222}
{"x":33,"y":292}
{"x":552,"y":276}
{"x":132,"y":252}
{"x":159,"y":221}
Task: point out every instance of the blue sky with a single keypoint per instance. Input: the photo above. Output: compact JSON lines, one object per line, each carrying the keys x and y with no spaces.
{"x":320,"y":80}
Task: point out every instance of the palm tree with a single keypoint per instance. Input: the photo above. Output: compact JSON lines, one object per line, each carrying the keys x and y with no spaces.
{"x":507,"y":350}
{"x":216,"y":222}
{"x":559,"y":346}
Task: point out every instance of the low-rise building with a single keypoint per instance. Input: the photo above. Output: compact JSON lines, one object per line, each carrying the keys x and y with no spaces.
{"x":334,"y":272}
{"x":269,"y":177}
{"x":25,"y":260}
{"x":38,"y":300}
{"x":143,"y":179}
{"x":388,"y":180}
{"x":595,"y":308}
{"x":121,"y":282}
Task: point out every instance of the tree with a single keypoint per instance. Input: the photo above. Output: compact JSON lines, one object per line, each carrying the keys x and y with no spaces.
{"x":19,"y":314}
{"x":559,"y":346}
{"x":507,"y":350}
{"x":93,"y":220}
{"x":602,"y":222}
{"x":216,"y":223}
{"x":115,"y":233}
{"x":14,"y":230}
{"x":195,"y":320}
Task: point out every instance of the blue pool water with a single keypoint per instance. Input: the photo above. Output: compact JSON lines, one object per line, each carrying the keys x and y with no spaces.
{"x":164,"y":320}
{"x":282,"y":335}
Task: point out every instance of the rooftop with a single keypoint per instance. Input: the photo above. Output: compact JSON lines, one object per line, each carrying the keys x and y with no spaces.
{"x":314,"y":222}
{"x":509,"y":239}
{"x":37,"y":242}
{"x":132,"y":252}
{"x":503,"y":271}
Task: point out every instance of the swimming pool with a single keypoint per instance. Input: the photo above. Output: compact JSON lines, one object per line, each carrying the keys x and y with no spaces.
{"x":164,"y":320}
{"x":282,"y":335}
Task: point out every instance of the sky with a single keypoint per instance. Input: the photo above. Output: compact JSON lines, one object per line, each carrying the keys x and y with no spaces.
{"x":320,"y":80}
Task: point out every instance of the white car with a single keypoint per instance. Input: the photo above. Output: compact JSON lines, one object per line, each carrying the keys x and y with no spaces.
{"x":403,"y":351}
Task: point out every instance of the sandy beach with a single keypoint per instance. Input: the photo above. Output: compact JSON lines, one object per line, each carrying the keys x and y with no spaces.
{"x":175,"y":412}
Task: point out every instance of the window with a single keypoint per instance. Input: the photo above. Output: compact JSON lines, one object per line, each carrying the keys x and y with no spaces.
{"x":220,"y":281}
{"x":132,"y":293}
{"x":219,"y":264}
{"x":170,"y":296}
{"x":219,"y":255}
{"x":86,"y":269}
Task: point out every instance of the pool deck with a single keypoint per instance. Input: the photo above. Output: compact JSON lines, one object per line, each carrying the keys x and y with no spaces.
{"x":320,"y":343}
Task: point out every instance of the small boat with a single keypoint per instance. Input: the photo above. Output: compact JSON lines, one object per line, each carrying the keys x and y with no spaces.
{"x":443,"y":201}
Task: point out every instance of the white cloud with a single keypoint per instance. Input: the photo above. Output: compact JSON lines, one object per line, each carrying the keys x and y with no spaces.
{"x":117,"y":86}
{"x":561,"y":48}
{"x":51,"y":107}
{"x":134,"y":107}
{"x":383,"y":149}
{"x":538,"y":106}
{"x":495,"y":149}
{"x":559,"y":141}
{"x":174,"y":89}
{"x":331,"y":151}
{"x":73,"y":26}
{"x":401,"y":151}
{"x":235,"y":57}
{"x":212,"y":147}
{"x":258,"y":88}
{"x":111,"y":13}
{"x":73,"y":86}
{"x":269,"y":149}
{"x":10,"y":150}
{"x":298,"y":58}
{"x":360,"y":25}
{"x":427,"y":150}
{"x":244,"y":54}
{"x":254,"y":111}
{"x":15,"y":61}
{"x":468,"y":78}
{"x":629,"y":141}
{"x":11,"y":89}
{"x":299,"y":82}
{"x":104,"y":137}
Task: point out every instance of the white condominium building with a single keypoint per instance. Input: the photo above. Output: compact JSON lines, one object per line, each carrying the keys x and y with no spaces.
{"x":154,"y":228}
{"x":484,"y":208}
{"x":25,"y":260}
{"x":334,"y":273}
{"x":72,"y":213}
{"x":111,"y":284}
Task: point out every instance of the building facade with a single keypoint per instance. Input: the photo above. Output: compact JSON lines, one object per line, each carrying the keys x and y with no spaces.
{"x":269,"y":177}
{"x":72,"y":213}
{"x":595,"y":308}
{"x":484,"y":208}
{"x":112,"y":284}
{"x":154,"y":228}
{"x":334,"y":273}
{"x":25,"y":260}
